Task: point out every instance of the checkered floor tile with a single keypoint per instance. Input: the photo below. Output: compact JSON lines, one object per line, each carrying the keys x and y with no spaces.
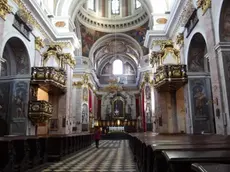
{"x":112,"y":156}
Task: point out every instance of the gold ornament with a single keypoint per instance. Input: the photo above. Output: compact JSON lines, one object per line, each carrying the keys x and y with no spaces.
{"x":204,"y":5}
{"x":4,"y":9}
{"x":38,"y":43}
{"x":180,"y":39}
{"x":78,"y":84}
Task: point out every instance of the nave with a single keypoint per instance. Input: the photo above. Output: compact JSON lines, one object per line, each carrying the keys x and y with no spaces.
{"x":112,"y":156}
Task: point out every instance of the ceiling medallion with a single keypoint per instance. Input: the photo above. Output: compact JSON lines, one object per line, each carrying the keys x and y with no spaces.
{"x":161,"y":20}
{"x":60,"y":24}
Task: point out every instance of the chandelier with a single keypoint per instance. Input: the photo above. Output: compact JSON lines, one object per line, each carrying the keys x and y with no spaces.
{"x":113,"y":86}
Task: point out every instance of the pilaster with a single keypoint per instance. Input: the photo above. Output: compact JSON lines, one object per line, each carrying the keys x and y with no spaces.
{"x":216,"y":67}
{"x":223,"y":107}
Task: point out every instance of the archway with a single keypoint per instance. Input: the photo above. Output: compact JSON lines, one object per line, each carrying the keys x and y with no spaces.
{"x":201,"y":107}
{"x":14,"y":87}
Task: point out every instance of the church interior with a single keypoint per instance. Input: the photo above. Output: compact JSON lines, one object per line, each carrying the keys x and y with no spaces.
{"x":151,"y":78}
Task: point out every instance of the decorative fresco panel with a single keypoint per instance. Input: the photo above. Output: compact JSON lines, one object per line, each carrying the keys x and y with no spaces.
{"x":107,"y":69}
{"x":196,"y":60}
{"x":139,"y":35}
{"x":22,"y":64}
{"x":20,"y":99}
{"x":128,"y":69}
{"x":226,"y":62}
{"x":202,"y":110}
{"x":225,"y":22}
{"x":90,"y":36}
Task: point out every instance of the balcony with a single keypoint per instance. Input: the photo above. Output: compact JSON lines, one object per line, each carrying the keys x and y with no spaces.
{"x":50,"y":79}
{"x":170,"y":77}
{"x":40,"y":111}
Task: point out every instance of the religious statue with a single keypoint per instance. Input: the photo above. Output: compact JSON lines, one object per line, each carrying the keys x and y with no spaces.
{"x":148,"y":113}
{"x":147,"y":92}
{"x":85,"y":114}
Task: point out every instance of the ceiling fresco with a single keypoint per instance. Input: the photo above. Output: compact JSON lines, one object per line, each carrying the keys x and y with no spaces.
{"x":89,"y":37}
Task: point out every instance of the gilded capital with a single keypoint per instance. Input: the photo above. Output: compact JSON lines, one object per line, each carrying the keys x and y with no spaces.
{"x":156,"y":57}
{"x":180,"y":39}
{"x":4,"y":9}
{"x":78,"y":84}
{"x":38,"y":43}
{"x":147,"y":77}
{"x":68,"y":58}
{"x":85,"y":79}
{"x":204,"y":5}
{"x":163,"y":43}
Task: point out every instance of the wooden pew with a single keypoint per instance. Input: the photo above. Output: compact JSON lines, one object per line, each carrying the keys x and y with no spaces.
{"x":34,"y":151}
{"x":210,"y":167}
{"x":181,"y":160}
{"x":7,"y":155}
{"x":43,"y":141}
{"x":144,"y":153}
{"x":62,"y":145}
{"x":22,"y":149}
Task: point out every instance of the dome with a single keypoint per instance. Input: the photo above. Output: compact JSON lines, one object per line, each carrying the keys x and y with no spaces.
{"x":112,"y":16}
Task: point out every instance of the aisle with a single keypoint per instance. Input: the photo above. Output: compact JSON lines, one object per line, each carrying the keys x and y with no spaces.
{"x":112,"y":156}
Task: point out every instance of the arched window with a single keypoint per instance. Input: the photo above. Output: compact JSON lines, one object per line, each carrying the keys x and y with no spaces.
{"x":91,"y":5}
{"x":115,"y":6}
{"x":137,"y":4}
{"x":117,"y":67}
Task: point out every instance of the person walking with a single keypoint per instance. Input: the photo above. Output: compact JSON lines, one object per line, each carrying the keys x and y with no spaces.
{"x":97,"y":136}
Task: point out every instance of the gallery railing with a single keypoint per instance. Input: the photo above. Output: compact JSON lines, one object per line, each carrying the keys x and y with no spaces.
{"x":170,"y":77}
{"x":49,"y":77}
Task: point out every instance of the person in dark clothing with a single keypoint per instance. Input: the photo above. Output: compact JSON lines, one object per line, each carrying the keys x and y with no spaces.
{"x":97,"y":136}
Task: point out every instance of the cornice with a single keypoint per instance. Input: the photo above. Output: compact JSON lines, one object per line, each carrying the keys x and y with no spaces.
{"x":180,"y":14}
{"x":222,"y":46}
{"x":48,"y":28}
{"x":112,"y":25}
{"x":152,"y":35}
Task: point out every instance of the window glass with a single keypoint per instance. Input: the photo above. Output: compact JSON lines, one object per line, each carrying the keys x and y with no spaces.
{"x":115,"y":6}
{"x":117,"y":67}
{"x":137,"y":4}
{"x":91,"y":5}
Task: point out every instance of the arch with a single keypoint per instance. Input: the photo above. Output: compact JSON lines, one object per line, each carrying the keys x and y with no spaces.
{"x":202,"y":32}
{"x":199,"y":86}
{"x":109,"y":61}
{"x":28,"y":46}
{"x":119,"y":36}
{"x":16,"y":56}
{"x":224,"y":22}
{"x":196,"y":54}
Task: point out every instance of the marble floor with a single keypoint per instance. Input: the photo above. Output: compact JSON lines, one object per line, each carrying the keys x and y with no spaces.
{"x":112,"y":156}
